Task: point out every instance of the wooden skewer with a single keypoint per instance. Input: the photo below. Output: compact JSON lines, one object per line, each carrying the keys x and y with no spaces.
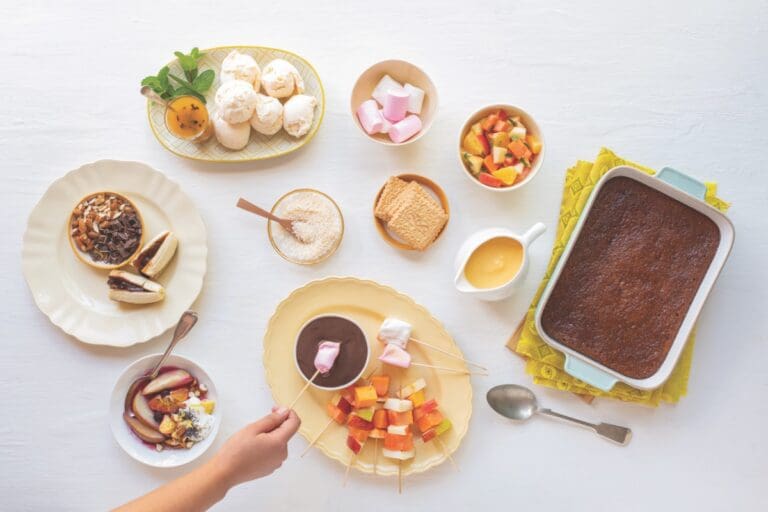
{"x":447,"y":369}
{"x":447,"y":453}
{"x":375,"y":454}
{"x":303,"y":389}
{"x":312,"y":443}
{"x":449,"y":354}
{"x":346,"y":472}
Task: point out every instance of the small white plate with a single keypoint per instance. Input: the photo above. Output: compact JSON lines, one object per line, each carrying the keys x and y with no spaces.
{"x":74,"y":295}
{"x":135,"y":447}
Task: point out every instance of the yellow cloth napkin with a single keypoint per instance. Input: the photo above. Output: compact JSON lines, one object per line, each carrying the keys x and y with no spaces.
{"x":544,"y":363}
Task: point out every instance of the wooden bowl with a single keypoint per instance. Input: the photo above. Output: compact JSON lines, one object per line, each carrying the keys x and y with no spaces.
{"x":85,"y":257}
{"x":430,"y":185}
{"x":402,"y":72}
{"x":530,"y":124}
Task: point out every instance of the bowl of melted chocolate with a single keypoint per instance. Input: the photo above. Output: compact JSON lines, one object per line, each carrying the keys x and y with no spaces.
{"x":353,"y":352}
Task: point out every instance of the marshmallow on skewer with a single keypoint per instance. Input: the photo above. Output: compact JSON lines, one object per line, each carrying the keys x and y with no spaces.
{"x":395,"y":332}
{"x":327,"y":352}
{"x":396,"y":356}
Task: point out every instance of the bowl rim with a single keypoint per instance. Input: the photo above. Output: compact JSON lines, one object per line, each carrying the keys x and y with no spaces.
{"x":362,"y":370}
{"x":324,"y":257}
{"x":534,"y":128}
{"x":433,"y":98}
{"x":119,"y":395}
{"x":436,"y":189}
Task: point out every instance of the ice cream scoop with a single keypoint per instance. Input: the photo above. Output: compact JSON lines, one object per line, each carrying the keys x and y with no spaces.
{"x":298,"y":113}
{"x":268,"y":116}
{"x":327,"y":352}
{"x":395,"y":331}
{"x":236,"y":100}
{"x":281,"y":79}
{"x":396,"y":356}
{"x":240,"y":66}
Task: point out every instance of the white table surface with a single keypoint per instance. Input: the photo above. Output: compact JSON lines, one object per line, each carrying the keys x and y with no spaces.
{"x":661,"y":82}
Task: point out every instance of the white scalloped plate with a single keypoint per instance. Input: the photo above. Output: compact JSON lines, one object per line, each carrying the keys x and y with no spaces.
{"x":74,"y":295}
{"x":260,"y":146}
{"x":367,"y":303}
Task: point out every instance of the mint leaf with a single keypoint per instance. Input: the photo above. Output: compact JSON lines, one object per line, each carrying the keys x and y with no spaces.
{"x":204,"y":81}
{"x":188,"y":91}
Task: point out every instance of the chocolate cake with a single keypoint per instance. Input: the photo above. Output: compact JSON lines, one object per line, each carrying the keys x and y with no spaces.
{"x":630,"y":278}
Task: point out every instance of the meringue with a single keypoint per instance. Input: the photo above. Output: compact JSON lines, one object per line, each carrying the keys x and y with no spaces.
{"x":231,"y":135}
{"x":281,"y":79}
{"x":236,"y":100}
{"x":298,"y":113}
{"x":268,"y":116}
{"x":240,"y":66}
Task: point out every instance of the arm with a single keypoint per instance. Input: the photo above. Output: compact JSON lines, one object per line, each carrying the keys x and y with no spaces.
{"x":255,"y":451}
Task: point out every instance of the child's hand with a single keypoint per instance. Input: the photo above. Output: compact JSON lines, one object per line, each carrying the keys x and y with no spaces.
{"x":259,"y":448}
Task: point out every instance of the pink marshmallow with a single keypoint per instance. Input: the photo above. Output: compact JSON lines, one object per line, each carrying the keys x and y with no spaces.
{"x":405,"y":129}
{"x":386,"y":124}
{"x":327,"y":352}
{"x":395,"y":356}
{"x":369,"y":117}
{"x":395,"y":105}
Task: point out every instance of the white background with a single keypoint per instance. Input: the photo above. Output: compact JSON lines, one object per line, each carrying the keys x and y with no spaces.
{"x":660,"y":82}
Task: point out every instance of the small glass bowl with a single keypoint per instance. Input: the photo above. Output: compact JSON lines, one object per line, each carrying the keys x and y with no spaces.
{"x":316,"y":260}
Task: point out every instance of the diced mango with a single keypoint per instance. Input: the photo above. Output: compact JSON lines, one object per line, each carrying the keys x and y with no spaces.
{"x":473,"y":145}
{"x":365,"y":396}
{"x":477,"y":128}
{"x":534,"y":143}
{"x":400,"y":418}
{"x":518,"y":148}
{"x":380,"y":384}
{"x":507,"y":175}
{"x":380,"y":419}
{"x":337,"y":414}
{"x":500,"y":139}
{"x":417,"y":398}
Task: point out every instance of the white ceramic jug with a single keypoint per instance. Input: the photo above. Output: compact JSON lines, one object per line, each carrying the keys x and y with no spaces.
{"x":476,"y":240}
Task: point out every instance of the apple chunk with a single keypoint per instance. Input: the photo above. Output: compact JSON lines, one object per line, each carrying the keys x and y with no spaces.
{"x":167,"y":380}
{"x":140,"y":407}
{"x":144,"y":432}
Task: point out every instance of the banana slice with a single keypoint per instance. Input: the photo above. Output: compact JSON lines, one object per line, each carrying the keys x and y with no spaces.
{"x":156,"y":254}
{"x":127,"y":287}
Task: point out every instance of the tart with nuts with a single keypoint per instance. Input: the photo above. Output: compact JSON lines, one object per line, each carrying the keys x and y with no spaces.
{"x":105,"y":230}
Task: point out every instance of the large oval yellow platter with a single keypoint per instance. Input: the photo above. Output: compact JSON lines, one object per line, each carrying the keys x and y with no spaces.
{"x":260,"y":146}
{"x":367,"y":303}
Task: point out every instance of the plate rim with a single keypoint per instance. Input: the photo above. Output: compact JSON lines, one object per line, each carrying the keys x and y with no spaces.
{"x":25,"y":240}
{"x":305,"y":141}
{"x":389,"y":289}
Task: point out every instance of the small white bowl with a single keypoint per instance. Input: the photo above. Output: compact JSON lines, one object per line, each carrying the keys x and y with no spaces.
{"x":403,"y":72}
{"x":530,"y":124}
{"x":346,"y":384}
{"x":135,"y":447}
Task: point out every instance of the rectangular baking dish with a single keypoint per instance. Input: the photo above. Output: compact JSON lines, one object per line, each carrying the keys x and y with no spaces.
{"x":688,"y":191}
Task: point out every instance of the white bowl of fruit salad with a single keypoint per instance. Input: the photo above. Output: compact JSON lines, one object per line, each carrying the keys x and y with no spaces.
{"x":172,"y":419}
{"x":501,"y":148}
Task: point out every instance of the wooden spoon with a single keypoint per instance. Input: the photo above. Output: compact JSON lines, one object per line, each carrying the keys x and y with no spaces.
{"x":287,"y":224}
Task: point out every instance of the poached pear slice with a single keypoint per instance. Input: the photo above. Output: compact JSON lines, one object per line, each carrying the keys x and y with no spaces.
{"x":168,"y":380}
{"x":140,"y":407}
{"x":145,"y":433}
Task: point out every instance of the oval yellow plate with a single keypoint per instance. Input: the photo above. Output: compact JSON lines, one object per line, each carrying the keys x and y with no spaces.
{"x":367,"y":303}
{"x":260,"y":146}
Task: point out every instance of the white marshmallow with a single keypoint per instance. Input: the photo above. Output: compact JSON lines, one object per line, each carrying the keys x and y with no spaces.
{"x":385,"y":124}
{"x":393,"y":454}
{"x":412,"y":388}
{"x":395,"y":331}
{"x":397,"y":405}
{"x":399,"y":430}
{"x":233,"y":136}
{"x":415,"y":98}
{"x":385,"y":84}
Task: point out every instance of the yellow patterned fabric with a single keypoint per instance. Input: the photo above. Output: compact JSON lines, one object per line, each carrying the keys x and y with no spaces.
{"x":544,"y":363}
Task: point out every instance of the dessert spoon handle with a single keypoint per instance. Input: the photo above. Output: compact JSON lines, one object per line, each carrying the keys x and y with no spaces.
{"x":186,"y":323}
{"x":250,"y":207}
{"x":614,"y":433}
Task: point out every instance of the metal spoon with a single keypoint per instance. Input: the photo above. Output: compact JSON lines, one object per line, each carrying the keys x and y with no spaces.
{"x":186,"y":323}
{"x":519,"y":403}
{"x":286,"y":223}
{"x":151,"y":95}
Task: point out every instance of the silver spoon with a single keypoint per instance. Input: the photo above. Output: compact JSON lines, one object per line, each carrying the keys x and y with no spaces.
{"x":519,"y":403}
{"x":151,"y":95}
{"x":186,"y":323}
{"x":287,"y":224}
